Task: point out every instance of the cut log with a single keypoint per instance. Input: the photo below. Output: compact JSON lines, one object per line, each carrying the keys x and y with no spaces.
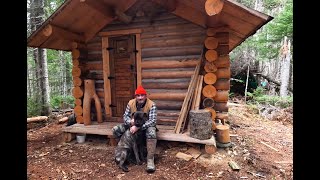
{"x":208,"y":103}
{"x":200,"y":124}
{"x":37,"y":119}
{"x":222,"y":133}
{"x":211,"y":43}
{"x":77,"y":81}
{"x":78,"y":110}
{"x":75,"y":53}
{"x":79,"y":119}
{"x":210,"y":67}
{"x":76,"y":71}
{"x":223,"y":73}
{"x":90,"y":94}
{"x":75,"y":62}
{"x":209,"y":91}
{"x":222,"y":84}
{"x":210,"y":149}
{"x":210,"y":78}
{"x":78,"y":102}
{"x":211,"y":55}
{"x":221,"y":96}
{"x":213,"y":7}
{"x":77,"y":92}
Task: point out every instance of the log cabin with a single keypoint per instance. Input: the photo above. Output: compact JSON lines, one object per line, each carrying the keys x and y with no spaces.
{"x":177,"y":49}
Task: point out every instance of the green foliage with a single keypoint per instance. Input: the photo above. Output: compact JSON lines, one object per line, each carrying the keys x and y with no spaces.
{"x":33,"y":108}
{"x":56,"y":101}
{"x":258,"y":97}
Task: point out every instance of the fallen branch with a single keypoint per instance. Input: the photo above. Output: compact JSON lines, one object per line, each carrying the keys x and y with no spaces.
{"x":269,"y":146}
{"x":37,"y":119}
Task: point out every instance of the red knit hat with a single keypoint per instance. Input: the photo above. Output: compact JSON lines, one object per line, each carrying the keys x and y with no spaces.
{"x":140,"y":90}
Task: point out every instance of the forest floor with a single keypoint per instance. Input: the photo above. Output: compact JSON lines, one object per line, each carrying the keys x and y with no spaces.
{"x":263,"y":149}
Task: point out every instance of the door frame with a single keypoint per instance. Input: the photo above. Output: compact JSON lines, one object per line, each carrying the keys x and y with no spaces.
{"x":106,"y":62}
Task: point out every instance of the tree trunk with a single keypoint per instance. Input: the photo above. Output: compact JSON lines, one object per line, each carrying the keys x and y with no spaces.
{"x":285,"y":67}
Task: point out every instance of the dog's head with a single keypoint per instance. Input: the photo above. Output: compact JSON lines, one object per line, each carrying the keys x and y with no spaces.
{"x":139,"y":118}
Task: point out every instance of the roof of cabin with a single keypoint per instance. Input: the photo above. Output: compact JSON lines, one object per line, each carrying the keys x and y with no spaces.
{"x":81,"y":20}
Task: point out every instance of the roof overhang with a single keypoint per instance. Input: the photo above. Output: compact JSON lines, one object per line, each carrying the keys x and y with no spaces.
{"x":80,"y":20}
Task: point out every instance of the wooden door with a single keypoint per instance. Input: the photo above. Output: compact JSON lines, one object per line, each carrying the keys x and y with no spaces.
{"x":123,"y":73}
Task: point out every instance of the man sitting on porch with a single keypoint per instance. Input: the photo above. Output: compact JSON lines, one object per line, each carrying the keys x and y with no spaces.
{"x":141,"y":102}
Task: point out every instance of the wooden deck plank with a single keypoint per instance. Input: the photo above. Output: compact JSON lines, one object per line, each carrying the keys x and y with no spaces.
{"x":165,"y":132}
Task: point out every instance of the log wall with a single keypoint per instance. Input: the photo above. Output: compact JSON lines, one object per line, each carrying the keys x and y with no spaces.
{"x":217,"y":70}
{"x":170,"y":48}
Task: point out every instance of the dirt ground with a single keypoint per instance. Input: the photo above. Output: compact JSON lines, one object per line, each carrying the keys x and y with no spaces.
{"x":263,"y":149}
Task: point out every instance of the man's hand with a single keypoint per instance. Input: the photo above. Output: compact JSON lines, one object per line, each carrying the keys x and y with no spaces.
{"x":133,"y":129}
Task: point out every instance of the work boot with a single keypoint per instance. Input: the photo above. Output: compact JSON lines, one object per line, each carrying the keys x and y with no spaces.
{"x":151,"y":148}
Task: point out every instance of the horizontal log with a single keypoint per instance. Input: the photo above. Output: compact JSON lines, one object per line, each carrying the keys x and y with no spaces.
{"x":170,"y":42}
{"x":171,"y":51}
{"x":213,"y":7}
{"x":222,"y":84}
{"x":168,"y":113}
{"x":166,"y":121}
{"x":221,"y":107}
{"x":223,"y":49}
{"x":223,"y":37}
{"x":166,"y":85}
{"x":168,"y":105}
{"x":166,"y":74}
{"x":37,"y":119}
{"x":223,"y":73}
{"x":221,"y":96}
{"x":167,"y":96}
{"x":165,"y":33}
{"x":210,"y":67}
{"x":222,"y":61}
{"x":169,"y":64}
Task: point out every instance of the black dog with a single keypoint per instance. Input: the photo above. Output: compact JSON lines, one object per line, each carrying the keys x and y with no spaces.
{"x":128,"y":143}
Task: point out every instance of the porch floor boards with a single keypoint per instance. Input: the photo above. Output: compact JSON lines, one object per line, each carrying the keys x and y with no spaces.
{"x":165,"y":132}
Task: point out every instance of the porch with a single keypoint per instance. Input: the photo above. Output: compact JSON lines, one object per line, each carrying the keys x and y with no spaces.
{"x":165,"y":133}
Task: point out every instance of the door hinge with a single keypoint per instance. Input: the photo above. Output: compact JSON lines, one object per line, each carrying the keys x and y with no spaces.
{"x":111,"y":105}
{"x":135,"y":51}
{"x":111,"y":77}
